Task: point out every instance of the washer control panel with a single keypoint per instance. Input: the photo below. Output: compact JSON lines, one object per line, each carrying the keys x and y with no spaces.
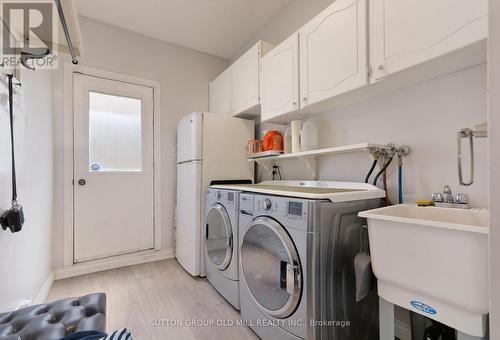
{"x":296,"y":211}
{"x":266,"y":204}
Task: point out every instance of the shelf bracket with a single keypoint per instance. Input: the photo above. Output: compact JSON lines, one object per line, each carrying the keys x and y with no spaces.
{"x":312,"y":165}
{"x":266,"y":164}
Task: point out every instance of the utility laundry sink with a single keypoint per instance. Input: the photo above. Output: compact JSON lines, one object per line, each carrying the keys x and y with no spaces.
{"x":433,"y":261}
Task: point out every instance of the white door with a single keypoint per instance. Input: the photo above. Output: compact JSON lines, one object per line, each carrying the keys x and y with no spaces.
{"x":245,"y":81}
{"x":220,"y":93}
{"x":405,"y":33}
{"x":333,"y":52}
{"x":113,"y":168}
{"x":280,"y":79}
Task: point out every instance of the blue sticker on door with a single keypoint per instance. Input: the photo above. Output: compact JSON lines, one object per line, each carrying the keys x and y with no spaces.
{"x":423,"y":307}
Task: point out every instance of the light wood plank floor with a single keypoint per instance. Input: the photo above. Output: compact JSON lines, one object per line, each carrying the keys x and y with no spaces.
{"x":139,"y":295}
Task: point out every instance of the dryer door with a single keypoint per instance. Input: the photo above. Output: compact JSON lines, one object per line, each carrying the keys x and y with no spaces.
{"x":219,"y":237}
{"x":271,"y":267}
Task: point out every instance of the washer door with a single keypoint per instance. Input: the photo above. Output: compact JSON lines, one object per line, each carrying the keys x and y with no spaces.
{"x":271,"y":267}
{"x":219,"y":237}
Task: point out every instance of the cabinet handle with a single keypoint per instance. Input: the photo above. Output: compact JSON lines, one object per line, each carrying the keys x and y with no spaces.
{"x":294,"y":104}
{"x":380,"y":67}
{"x":304,"y":99}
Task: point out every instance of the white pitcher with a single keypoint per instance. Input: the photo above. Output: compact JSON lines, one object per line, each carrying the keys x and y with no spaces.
{"x":309,"y":137}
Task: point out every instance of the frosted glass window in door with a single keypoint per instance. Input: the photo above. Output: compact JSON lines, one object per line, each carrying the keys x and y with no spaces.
{"x":114,"y":133}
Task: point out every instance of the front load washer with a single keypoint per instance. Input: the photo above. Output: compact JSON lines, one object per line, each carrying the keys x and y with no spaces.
{"x":221,"y":238}
{"x":297,"y":277}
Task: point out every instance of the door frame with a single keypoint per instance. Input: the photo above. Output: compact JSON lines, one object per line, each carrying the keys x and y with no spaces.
{"x":68,"y":160}
{"x":494,"y":164}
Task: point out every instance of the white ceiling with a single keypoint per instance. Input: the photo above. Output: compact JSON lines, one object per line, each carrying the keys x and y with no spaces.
{"x":218,"y":27}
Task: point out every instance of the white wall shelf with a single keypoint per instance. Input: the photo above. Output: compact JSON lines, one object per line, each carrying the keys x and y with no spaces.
{"x":319,"y":152}
{"x":310,"y":157}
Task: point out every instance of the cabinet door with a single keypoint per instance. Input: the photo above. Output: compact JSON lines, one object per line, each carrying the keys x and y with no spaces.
{"x":220,"y":93}
{"x":405,"y":33}
{"x":245,"y":81}
{"x":333,"y":52}
{"x":280,"y":79}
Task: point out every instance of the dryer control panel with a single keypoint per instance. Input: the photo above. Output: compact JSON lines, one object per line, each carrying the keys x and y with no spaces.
{"x":246,"y":204}
{"x":228,"y":198}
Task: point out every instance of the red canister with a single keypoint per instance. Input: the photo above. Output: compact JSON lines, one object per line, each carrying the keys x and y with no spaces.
{"x":273,"y":140}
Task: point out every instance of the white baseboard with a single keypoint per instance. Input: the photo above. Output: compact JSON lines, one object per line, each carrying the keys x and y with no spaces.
{"x":402,"y":330}
{"x":44,"y":292}
{"x":112,"y":263}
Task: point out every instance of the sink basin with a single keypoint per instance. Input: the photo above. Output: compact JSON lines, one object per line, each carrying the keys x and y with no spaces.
{"x":433,"y":261}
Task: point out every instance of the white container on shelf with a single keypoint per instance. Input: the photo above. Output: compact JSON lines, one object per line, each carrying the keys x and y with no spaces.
{"x":309,"y":138}
{"x":287,"y":140}
{"x":296,"y":126}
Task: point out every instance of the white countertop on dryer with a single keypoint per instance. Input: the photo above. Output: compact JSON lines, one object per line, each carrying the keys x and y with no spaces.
{"x":328,"y":190}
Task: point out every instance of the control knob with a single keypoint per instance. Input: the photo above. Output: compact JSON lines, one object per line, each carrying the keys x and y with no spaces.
{"x":268,"y":204}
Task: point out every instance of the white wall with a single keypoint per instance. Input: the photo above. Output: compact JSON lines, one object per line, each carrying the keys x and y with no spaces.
{"x":184,"y":75}
{"x":425,"y":117}
{"x":26,"y":257}
{"x":494,"y":143}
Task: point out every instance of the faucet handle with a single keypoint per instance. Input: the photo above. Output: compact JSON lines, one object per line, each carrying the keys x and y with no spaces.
{"x":447,"y":189}
{"x":437,"y":197}
{"x":462,"y":198}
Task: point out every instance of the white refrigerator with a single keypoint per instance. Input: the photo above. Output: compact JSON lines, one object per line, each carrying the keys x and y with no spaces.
{"x":210,"y":147}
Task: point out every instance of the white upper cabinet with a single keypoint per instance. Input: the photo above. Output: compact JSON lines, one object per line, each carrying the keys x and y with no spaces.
{"x":237,"y":90}
{"x":280,"y":79}
{"x":346,"y":47}
{"x":333,"y":52}
{"x":220,"y":93}
{"x":245,"y":81}
{"x":405,"y":33}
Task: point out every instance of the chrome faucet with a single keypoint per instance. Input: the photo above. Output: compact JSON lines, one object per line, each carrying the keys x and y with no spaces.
{"x":447,"y":194}
{"x":446,"y":199}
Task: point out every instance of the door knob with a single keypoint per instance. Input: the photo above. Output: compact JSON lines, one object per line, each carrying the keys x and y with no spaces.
{"x":81,"y":181}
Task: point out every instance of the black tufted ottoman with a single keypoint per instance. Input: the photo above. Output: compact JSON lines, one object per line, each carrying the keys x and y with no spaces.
{"x":55,"y":320}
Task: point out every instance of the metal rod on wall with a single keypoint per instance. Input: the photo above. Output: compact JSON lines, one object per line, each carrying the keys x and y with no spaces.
{"x":66,"y":31}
